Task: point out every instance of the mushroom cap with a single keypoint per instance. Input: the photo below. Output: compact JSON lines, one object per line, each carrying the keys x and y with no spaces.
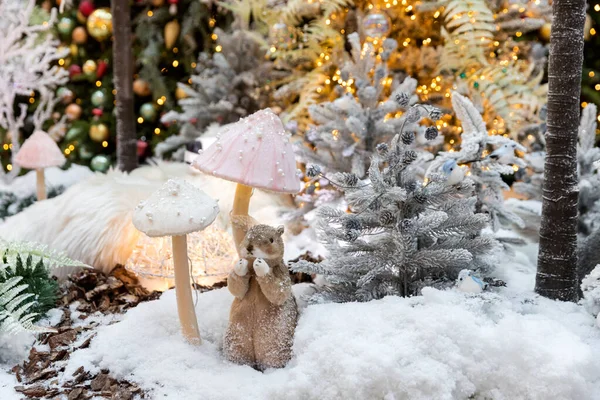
{"x":255,"y":151}
{"x":177,"y":208}
{"x":39,"y":151}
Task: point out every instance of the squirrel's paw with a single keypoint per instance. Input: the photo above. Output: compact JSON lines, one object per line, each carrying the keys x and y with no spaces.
{"x":261,"y":267}
{"x":241,"y":267}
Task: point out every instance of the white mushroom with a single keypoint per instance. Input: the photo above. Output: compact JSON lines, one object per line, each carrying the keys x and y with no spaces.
{"x":176,"y":209}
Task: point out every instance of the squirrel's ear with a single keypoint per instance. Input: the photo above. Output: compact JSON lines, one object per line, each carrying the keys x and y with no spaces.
{"x":280,"y":230}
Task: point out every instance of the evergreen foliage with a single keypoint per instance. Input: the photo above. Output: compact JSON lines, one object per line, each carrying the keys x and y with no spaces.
{"x":229,"y":85}
{"x":486,"y":166}
{"x":399,"y":234}
{"x":348,"y":129}
{"x":27,"y":291}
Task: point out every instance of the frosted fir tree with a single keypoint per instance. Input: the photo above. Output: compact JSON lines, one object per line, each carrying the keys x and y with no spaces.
{"x":370,"y":109}
{"x":230,"y":84}
{"x":489,"y":157}
{"x":28,"y":63}
{"x":399,"y":233}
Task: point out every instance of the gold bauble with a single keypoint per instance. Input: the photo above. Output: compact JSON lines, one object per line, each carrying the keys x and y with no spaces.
{"x":99,"y":132}
{"x":89,"y":67}
{"x":141,"y":88}
{"x":172,"y":30}
{"x":180,"y":93}
{"x":545,"y":31}
{"x":158,"y":3}
{"x":99,"y":24}
{"x":79,"y":35}
{"x":73,"y":111}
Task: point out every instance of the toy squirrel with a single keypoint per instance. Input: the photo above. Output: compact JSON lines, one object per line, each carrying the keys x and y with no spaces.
{"x":263,"y":315}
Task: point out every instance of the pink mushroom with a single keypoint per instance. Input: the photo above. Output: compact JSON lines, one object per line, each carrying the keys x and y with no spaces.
{"x":255,"y":152}
{"x":39,"y":151}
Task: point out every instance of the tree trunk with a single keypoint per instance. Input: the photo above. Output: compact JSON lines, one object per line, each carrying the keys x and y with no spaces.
{"x":123,"y":80}
{"x":557,"y":259}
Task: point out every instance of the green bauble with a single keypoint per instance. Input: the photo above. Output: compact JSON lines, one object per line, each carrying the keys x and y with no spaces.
{"x":100,"y":163}
{"x":148,"y":112}
{"x":74,"y":133}
{"x":66,"y":25}
{"x":98,"y":98}
{"x":85,"y":153}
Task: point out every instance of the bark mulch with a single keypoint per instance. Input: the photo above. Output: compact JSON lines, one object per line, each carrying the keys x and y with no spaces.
{"x":84,"y":294}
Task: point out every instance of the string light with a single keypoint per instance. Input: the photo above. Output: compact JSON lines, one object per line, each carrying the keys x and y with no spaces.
{"x":140,"y":120}
{"x":9,"y":167}
{"x":150,"y":13}
{"x":105,"y":144}
{"x":157,"y":131}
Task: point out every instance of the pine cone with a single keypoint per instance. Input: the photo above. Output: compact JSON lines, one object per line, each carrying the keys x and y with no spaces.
{"x":410,"y":156}
{"x":408,"y":137}
{"x":435,"y":113}
{"x":313,"y":171}
{"x":386,"y":217}
{"x":351,"y":236}
{"x":406,"y":225}
{"x":431,"y":133}
{"x":351,"y":223}
{"x":382,"y":148}
{"x":403,"y":99}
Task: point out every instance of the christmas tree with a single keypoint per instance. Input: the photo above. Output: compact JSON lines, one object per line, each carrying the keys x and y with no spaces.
{"x":399,"y":233}
{"x":168,"y":35}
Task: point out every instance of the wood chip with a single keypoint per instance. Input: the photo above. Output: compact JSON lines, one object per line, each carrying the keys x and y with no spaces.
{"x":98,"y":383}
{"x":62,"y":339}
{"x":75,"y":394}
{"x":34,"y":391}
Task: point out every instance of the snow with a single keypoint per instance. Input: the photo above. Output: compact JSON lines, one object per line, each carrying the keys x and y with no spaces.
{"x":7,"y":382}
{"x":509,"y":344}
{"x":14,"y":348}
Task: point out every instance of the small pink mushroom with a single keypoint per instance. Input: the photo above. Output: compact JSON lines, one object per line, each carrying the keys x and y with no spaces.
{"x":255,"y":152}
{"x":39,"y":151}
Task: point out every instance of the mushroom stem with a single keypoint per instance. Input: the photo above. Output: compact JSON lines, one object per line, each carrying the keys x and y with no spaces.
{"x":183,"y":291}
{"x":40,"y":184}
{"x":241,"y":204}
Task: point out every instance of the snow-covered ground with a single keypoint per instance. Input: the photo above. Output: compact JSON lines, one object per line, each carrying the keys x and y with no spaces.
{"x":509,"y":344}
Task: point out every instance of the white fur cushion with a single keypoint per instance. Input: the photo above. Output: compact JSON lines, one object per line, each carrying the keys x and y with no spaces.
{"x":91,"y":221}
